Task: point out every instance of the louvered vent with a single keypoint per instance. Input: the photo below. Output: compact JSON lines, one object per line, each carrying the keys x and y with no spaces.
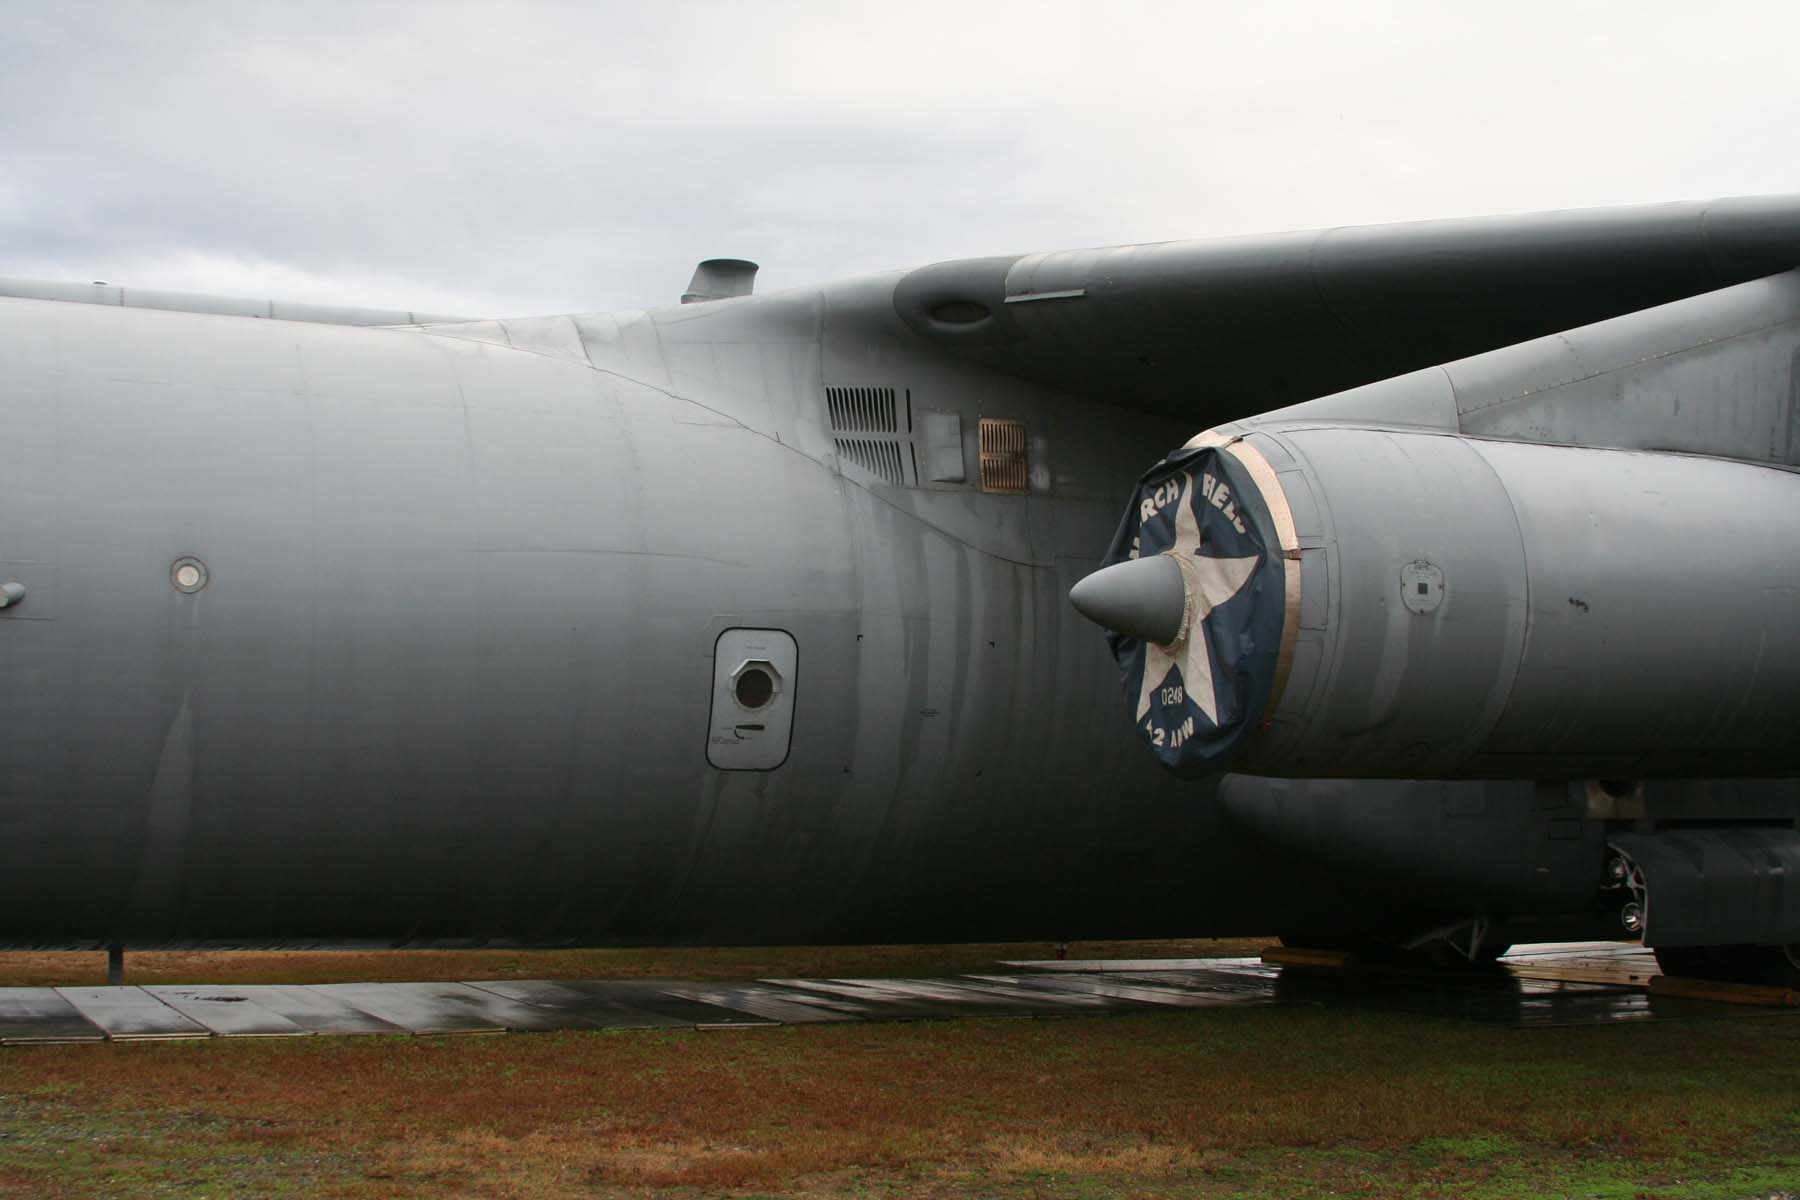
{"x":862,"y":409}
{"x":875,"y":457}
{"x":1003,"y":466}
{"x":872,"y":430}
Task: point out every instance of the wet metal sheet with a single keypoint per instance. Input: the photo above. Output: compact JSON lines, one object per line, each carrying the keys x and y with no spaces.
{"x":131,"y":1014}
{"x":1545,"y":986}
{"x":226,"y":1011}
{"x":1245,"y":985}
{"x":871,"y":1004}
{"x":1109,"y":966}
{"x":915,"y":998}
{"x":578,"y":1009}
{"x":40,"y":1015}
{"x":421,"y":1007}
{"x":785,"y":1005}
{"x":1135,"y":991}
{"x":658,"y":998}
{"x":314,"y":1011}
{"x":1049,"y":1001}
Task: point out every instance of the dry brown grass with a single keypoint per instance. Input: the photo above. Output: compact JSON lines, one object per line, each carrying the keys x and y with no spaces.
{"x":1180,"y":1103}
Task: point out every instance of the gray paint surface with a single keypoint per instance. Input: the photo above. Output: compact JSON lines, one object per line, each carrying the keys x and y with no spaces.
{"x":450,"y":675}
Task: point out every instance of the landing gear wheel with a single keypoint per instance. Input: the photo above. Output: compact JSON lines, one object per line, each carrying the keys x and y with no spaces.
{"x":1778,"y":965}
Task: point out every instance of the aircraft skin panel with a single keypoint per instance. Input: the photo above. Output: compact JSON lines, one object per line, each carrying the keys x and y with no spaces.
{"x":448,"y":675}
{"x":405,"y":634}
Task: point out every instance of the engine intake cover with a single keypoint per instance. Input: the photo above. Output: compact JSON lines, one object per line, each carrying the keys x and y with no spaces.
{"x":1196,"y":695}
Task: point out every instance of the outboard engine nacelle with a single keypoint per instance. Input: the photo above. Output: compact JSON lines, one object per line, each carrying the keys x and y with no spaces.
{"x":1411,"y":604}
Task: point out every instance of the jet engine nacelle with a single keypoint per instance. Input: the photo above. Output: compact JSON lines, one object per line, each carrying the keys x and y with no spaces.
{"x":1455,"y":607}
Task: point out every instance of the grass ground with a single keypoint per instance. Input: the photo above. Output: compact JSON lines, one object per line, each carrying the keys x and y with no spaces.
{"x":1247,"y":1102}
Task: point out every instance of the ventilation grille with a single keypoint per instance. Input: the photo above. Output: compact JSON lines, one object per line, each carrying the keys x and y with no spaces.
{"x":876,"y":457}
{"x":1003,"y":466}
{"x":871,"y":431}
{"x":862,"y":409}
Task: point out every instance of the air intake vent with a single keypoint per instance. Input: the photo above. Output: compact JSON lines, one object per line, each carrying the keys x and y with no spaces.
{"x":862,"y":409}
{"x":1003,"y":466}
{"x":876,"y":457}
{"x":872,"y":430}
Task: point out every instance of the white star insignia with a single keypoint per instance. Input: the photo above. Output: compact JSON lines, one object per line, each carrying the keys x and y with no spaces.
{"x":1209,"y":582}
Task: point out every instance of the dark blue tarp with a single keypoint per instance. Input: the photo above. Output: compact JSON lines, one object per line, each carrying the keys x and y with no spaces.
{"x":1194,"y":700}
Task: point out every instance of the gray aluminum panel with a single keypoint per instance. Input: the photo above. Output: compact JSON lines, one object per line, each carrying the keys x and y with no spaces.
{"x":422,"y":1007}
{"x":955,"y":996}
{"x":40,"y":1015}
{"x":1249,"y":984}
{"x":1109,"y":965}
{"x":1022,"y":994}
{"x":131,"y":1013}
{"x":226,"y":1011}
{"x":580,"y":1009}
{"x":886,"y":999}
{"x":654,"y":998}
{"x":1138,"y":993}
{"x":771,"y":1003}
{"x":315,"y":1011}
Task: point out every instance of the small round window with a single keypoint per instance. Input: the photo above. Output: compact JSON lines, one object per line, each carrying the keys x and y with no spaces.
{"x":754,"y":687}
{"x":188,"y":574}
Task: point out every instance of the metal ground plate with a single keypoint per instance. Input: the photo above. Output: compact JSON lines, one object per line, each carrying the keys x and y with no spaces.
{"x":1596,"y":983}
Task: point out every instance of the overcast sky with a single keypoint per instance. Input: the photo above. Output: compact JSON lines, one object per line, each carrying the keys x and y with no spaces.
{"x":505,"y":158}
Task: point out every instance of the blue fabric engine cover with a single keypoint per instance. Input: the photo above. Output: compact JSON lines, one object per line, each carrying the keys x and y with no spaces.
{"x":1195,"y":699}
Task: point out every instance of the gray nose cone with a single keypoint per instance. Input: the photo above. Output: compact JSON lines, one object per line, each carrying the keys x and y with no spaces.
{"x":1142,"y":598}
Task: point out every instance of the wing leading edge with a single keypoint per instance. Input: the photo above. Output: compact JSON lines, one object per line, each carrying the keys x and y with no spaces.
{"x":1213,"y":330}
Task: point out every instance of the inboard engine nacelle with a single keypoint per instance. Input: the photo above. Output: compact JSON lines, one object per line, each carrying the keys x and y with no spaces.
{"x":1316,"y":599}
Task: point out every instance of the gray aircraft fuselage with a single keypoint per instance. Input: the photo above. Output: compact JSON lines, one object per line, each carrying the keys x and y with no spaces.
{"x":450,"y":672}
{"x":449,"y":667}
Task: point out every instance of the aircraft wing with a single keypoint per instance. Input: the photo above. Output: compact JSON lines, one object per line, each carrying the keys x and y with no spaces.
{"x":1194,"y":328}
{"x":198,"y":302}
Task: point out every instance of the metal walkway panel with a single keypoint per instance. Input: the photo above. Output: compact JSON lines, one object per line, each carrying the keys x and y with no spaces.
{"x":1057,"y":1001}
{"x":432,"y":1008}
{"x":915,"y":998}
{"x":1110,"y":966}
{"x":658,"y":998}
{"x":315,"y":1011}
{"x":131,"y":1014}
{"x":578,"y":1009}
{"x":1126,"y":989}
{"x":40,"y":1015}
{"x":966,"y":995}
{"x":869,"y":1003}
{"x":1245,"y":984}
{"x":1545,"y":986}
{"x":226,"y":1011}
{"x":783,"y":1005}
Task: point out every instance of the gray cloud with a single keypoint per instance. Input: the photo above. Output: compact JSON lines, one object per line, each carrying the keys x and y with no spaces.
{"x":550,"y":157}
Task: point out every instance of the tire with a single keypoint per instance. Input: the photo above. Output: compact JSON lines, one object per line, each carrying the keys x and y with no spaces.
{"x":1776,"y":965}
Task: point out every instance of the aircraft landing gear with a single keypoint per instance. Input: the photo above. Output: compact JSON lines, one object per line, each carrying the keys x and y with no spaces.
{"x":1778,"y":965}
